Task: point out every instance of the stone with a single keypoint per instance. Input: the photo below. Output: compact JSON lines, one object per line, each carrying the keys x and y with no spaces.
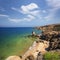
{"x":31,"y":57}
{"x":13,"y":58}
{"x":39,"y":56}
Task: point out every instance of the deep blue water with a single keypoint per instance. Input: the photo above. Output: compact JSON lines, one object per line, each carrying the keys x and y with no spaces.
{"x":4,"y":32}
{"x":10,"y":32}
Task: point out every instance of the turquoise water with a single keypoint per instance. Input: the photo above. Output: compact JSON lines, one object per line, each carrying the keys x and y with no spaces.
{"x":13,"y":40}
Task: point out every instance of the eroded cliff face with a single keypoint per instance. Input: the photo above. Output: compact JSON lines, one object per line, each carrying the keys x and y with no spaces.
{"x":51,"y":33}
{"x":50,"y":28}
{"x":48,"y":40}
{"x":33,"y":51}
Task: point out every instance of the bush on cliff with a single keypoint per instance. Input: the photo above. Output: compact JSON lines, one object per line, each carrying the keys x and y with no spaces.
{"x":52,"y":56}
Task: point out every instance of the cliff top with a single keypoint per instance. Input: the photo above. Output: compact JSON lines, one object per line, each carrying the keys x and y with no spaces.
{"x":52,"y":27}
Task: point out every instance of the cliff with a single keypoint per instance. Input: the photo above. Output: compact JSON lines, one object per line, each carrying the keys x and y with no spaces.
{"x":49,"y":28}
{"x":51,"y":33}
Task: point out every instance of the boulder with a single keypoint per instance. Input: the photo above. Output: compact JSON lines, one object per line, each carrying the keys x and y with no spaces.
{"x":33,"y":33}
{"x":13,"y":58}
{"x":30,"y":57}
{"x":39,"y":56}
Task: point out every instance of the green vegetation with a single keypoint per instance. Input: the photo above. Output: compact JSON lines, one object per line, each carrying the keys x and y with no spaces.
{"x":52,"y":56}
{"x":15,"y":46}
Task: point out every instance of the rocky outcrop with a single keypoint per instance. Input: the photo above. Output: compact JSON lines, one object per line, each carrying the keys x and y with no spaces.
{"x":38,"y":46}
{"x":51,"y":33}
{"x":49,"y":28}
{"x":33,"y":33}
{"x":50,"y":38}
{"x":13,"y":58}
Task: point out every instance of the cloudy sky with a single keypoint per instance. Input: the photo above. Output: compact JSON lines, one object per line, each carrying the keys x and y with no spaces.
{"x":28,"y":13}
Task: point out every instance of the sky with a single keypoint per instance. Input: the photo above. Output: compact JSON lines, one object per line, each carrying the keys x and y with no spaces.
{"x":29,"y":13}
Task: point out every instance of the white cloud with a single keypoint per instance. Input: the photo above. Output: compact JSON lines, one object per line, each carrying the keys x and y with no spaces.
{"x":13,"y":8}
{"x":48,"y":17}
{"x":28,"y":18}
{"x":31,"y":11}
{"x":35,"y":13}
{"x":3,"y":15}
{"x":44,"y":11}
{"x":14,"y":20}
{"x":54,"y":3}
{"x":27,"y":8}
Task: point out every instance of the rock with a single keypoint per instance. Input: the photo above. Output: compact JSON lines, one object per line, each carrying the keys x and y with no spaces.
{"x":31,"y":57}
{"x":13,"y":58}
{"x":39,"y":56}
{"x":33,"y":33}
{"x":51,"y":33}
{"x":49,"y":28}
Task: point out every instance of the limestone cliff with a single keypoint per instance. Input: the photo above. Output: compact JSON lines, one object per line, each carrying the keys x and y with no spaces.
{"x":51,"y":33}
{"x":49,"y":28}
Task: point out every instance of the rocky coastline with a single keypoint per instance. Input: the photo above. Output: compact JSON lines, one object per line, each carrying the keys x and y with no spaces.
{"x":51,"y":33}
{"x":49,"y":40}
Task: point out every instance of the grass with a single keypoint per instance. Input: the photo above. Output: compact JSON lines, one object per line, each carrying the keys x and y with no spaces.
{"x":17,"y":46}
{"x":52,"y":56}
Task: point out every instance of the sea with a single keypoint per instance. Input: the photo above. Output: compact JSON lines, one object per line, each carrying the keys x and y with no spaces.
{"x":11,"y":39}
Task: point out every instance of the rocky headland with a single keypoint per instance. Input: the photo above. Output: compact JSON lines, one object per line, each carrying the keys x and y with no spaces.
{"x":51,"y":33}
{"x":48,"y":40}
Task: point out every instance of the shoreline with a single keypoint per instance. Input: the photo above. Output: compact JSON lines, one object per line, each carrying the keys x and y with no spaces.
{"x":41,"y":46}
